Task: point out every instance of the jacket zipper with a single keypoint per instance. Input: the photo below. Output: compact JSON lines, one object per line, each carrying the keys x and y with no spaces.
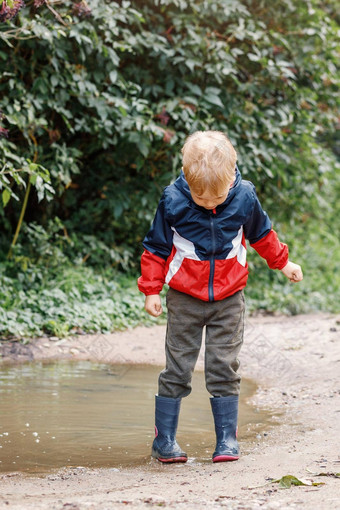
{"x":212,"y":258}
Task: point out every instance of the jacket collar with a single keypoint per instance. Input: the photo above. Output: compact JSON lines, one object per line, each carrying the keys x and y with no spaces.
{"x":183,"y":186}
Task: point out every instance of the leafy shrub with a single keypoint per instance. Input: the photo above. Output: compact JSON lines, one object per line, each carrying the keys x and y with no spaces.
{"x":103,"y":96}
{"x":73,"y":300}
{"x":95,"y":104}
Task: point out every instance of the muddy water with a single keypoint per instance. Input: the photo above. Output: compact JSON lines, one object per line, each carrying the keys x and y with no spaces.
{"x":97,"y":415}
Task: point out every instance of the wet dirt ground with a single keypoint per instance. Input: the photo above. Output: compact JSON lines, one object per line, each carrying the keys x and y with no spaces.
{"x":296,"y":363}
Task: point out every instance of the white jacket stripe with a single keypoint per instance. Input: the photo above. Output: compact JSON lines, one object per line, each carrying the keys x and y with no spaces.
{"x":238,"y":250}
{"x":185,"y":249}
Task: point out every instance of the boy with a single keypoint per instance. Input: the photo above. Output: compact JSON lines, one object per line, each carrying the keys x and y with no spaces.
{"x":197,"y":246}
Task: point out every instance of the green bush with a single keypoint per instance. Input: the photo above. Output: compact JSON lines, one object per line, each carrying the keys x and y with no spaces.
{"x":105,"y":98}
{"x":72,"y":300}
{"x":96,"y":101}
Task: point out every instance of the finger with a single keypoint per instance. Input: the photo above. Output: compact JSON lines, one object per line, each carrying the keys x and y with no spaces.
{"x":151,"y":311}
{"x":297,"y":276}
{"x":156,"y":310}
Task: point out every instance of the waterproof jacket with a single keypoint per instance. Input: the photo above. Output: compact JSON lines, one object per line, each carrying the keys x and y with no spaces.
{"x":202,"y":252}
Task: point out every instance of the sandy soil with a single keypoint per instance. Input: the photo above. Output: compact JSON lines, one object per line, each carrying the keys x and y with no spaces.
{"x":296,"y":362}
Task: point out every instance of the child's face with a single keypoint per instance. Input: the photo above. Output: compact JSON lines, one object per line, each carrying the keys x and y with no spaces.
{"x":209,"y":201}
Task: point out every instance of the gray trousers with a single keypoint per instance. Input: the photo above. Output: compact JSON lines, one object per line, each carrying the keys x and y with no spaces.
{"x":224,"y":322}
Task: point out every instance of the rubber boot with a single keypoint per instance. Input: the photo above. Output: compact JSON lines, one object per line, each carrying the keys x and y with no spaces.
{"x":165,"y":447}
{"x":225,"y":410}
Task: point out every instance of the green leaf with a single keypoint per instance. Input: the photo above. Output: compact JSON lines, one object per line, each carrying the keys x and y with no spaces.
{"x":195,"y":89}
{"x":113,"y":76}
{"x":33,"y":167}
{"x":190,"y":64}
{"x":6,"y":195}
{"x":285,"y":482}
{"x":213,"y":99}
{"x":143,"y":147}
{"x":54,"y":80}
{"x":253,"y":57}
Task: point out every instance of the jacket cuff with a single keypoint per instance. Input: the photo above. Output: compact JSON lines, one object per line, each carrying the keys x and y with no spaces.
{"x":271,"y":249}
{"x":152,"y":279}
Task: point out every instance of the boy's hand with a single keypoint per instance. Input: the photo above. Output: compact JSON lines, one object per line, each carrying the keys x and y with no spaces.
{"x":293,"y":272}
{"x":153,"y":305}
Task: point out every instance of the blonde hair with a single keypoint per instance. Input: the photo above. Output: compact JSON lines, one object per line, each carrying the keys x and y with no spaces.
{"x":209,"y":162}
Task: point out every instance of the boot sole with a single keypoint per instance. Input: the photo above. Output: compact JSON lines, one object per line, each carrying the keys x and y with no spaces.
{"x":174,"y":459}
{"x":155,"y":455}
{"x":224,"y":458}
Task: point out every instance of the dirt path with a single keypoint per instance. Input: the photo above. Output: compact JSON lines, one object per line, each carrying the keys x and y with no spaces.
{"x":296,"y":362}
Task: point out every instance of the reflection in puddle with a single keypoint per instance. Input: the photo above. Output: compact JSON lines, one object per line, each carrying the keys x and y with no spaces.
{"x":97,"y":415}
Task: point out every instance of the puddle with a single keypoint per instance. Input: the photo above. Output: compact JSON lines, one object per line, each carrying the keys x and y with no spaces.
{"x":97,"y":415}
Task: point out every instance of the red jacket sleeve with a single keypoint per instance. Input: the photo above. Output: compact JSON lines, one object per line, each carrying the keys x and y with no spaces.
{"x":153,"y":273}
{"x":270,"y":248}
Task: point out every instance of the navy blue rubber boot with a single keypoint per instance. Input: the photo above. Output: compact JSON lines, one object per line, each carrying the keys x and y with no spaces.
{"x":165,"y":447}
{"x":225,"y":411}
